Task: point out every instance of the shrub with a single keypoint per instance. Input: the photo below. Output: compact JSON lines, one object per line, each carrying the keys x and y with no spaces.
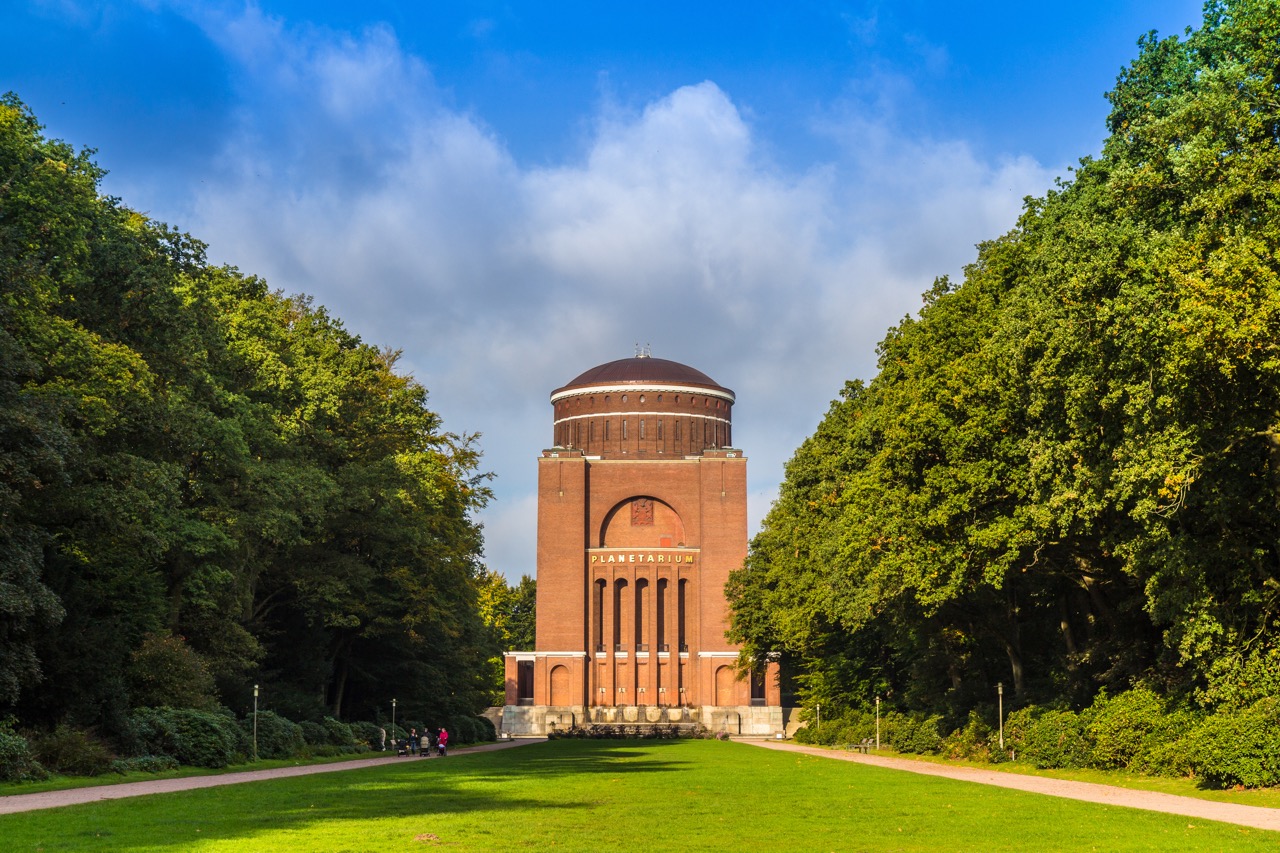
{"x":488,"y":731}
{"x":17,"y":764}
{"x":338,"y":733}
{"x":1047,"y":738}
{"x":370,"y":734}
{"x":313,"y":733}
{"x":918,"y":735}
{"x":1118,"y":726}
{"x":971,"y":743}
{"x":1166,"y":751}
{"x":468,"y":729}
{"x":73,"y":751}
{"x":144,"y":764}
{"x":1240,"y":747}
{"x":197,"y":738}
{"x":165,"y":672}
{"x":277,"y":737}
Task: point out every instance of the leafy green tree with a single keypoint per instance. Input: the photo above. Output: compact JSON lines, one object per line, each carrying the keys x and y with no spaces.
{"x":1065,"y":474}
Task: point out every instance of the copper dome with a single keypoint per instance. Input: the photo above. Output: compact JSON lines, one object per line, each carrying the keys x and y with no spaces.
{"x":643,"y":370}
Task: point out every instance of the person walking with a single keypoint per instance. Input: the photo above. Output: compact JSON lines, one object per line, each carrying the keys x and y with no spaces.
{"x":413,"y":741}
{"x":442,"y":741}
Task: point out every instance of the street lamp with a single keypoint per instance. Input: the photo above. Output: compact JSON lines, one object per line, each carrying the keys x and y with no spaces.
{"x":819,"y":717}
{"x":393,"y":719}
{"x":1000,"y":695}
{"x":877,"y":722}
{"x":255,"y":722}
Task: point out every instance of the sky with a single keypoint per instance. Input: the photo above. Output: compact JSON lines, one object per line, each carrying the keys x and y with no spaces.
{"x":512,"y":193}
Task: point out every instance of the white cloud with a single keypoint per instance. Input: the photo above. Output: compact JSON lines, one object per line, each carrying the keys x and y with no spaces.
{"x":349,"y":180}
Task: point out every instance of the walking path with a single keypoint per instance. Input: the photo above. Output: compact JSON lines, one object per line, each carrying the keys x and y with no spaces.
{"x":53,"y":799}
{"x":1254,"y":816}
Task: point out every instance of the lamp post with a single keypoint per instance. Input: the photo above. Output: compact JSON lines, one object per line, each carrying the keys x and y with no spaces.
{"x":1000,"y":697}
{"x":255,"y":722}
{"x":393,"y":719}
{"x":819,"y":706}
{"x":877,"y":722}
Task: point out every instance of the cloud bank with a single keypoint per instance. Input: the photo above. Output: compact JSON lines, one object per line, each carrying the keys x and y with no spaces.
{"x":348,"y":175}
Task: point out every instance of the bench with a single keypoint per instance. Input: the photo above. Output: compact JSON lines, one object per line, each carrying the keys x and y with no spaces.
{"x":863,"y":746}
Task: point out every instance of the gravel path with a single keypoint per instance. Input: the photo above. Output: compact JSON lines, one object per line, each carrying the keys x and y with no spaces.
{"x":1254,"y":816}
{"x":54,"y":799}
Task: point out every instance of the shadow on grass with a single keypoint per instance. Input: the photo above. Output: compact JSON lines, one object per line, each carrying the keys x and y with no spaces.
{"x":417,"y":788}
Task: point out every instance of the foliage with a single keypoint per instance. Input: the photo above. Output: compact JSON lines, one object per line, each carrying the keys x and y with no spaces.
{"x":510,"y":613}
{"x":1048,"y":737}
{"x":17,"y":764}
{"x":1065,"y":476}
{"x":369,"y":734}
{"x":277,"y":736}
{"x":144,"y":764}
{"x":975,"y":741}
{"x":196,"y":738}
{"x":1239,"y":747}
{"x":205,"y":483}
{"x":72,"y":751}
{"x":166,"y":672}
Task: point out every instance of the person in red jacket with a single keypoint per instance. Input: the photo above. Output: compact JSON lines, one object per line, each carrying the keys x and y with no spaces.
{"x":443,"y":740}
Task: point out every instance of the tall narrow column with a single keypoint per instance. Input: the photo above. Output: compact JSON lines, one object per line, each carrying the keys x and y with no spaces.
{"x":605,"y":697}
{"x":651,"y":631}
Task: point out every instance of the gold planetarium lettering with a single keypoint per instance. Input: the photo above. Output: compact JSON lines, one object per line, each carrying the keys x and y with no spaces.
{"x":643,"y":558}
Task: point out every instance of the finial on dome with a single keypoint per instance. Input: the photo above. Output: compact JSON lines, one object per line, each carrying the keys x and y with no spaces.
{"x":642,"y":351}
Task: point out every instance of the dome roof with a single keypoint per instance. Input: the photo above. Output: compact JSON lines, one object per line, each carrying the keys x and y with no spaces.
{"x":644,"y":370}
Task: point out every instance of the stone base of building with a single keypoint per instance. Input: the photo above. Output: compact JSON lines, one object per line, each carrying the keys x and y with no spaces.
{"x":749,"y":720}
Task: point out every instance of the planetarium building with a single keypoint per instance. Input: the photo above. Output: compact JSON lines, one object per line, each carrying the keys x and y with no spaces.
{"x":642,"y":514}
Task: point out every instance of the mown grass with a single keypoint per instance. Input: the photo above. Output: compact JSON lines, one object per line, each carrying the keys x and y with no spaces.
{"x":611,"y":795}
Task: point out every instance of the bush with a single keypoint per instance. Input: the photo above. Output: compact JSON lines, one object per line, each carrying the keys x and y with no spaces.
{"x":488,"y":731}
{"x":165,"y":672}
{"x":1167,"y":751}
{"x":971,"y":743}
{"x":1048,"y":738}
{"x":313,"y":733}
{"x":1118,"y":726}
{"x":338,"y":733}
{"x":1128,"y":730}
{"x":918,"y":735}
{"x":144,"y":764}
{"x":1239,"y":747}
{"x":196,"y":738}
{"x":370,"y":734}
{"x":17,"y":764}
{"x":277,"y":737}
{"x":73,"y":752}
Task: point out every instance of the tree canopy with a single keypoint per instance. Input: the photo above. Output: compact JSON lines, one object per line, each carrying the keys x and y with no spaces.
{"x":196,"y":469}
{"x":1066,"y":474}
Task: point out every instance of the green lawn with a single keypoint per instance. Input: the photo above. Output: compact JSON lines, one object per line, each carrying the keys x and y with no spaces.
{"x":603,"y":795}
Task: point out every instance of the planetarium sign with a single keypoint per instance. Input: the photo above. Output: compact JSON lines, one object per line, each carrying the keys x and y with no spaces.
{"x":685,"y":557}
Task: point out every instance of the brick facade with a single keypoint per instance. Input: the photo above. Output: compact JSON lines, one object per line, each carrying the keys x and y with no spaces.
{"x":642,"y":514}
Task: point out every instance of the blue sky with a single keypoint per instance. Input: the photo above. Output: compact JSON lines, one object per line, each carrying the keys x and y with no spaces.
{"x":514,"y":192}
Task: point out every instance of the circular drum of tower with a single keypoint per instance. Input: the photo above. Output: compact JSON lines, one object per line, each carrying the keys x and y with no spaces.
{"x":643,"y":407}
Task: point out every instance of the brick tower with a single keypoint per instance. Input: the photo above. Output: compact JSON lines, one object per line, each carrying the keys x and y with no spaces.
{"x":642,"y":514}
